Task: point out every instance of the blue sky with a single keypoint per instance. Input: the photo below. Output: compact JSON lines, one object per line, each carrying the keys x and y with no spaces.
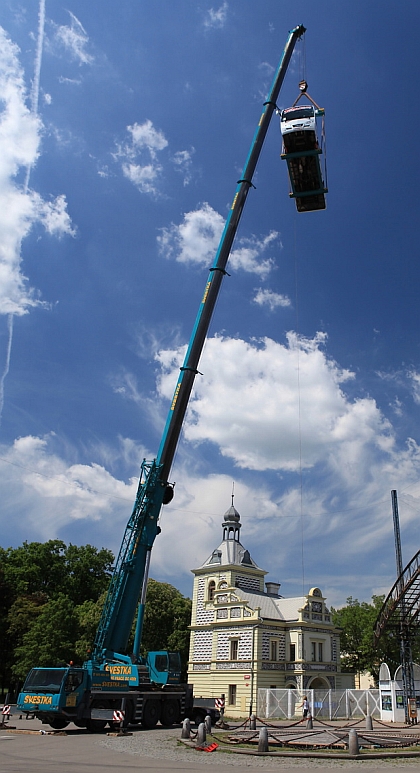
{"x":124,"y":128}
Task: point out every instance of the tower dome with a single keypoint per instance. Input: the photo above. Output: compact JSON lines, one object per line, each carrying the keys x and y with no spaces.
{"x":231,"y":524}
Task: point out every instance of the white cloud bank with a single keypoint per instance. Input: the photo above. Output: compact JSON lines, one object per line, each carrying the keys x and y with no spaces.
{"x":45,"y":493}
{"x":283,"y":409}
{"x":20,"y":209}
{"x":277,"y":406}
{"x":313,"y":467}
{"x":197,"y":237}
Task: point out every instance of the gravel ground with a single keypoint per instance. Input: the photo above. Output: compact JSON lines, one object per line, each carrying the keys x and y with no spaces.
{"x":164,"y":744}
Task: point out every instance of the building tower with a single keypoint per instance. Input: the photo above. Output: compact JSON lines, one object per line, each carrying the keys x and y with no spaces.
{"x":245,"y":637}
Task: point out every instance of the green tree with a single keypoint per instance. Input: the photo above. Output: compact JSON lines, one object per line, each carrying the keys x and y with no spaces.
{"x":358,"y":649}
{"x":88,"y":572}
{"x":166,"y":621}
{"x":89,"y":614}
{"x":50,"y":639}
{"x":36,"y":573}
{"x":36,"y":567}
{"x":52,"y":601}
{"x":6,"y":601}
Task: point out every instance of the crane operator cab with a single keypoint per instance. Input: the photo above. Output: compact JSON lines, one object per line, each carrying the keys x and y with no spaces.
{"x":301,"y":151}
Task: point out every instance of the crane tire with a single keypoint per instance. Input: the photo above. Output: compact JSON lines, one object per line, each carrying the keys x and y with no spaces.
{"x":170,"y":712}
{"x":97,"y":725}
{"x":199,"y":718}
{"x":58,"y":724}
{"x":151,"y":714}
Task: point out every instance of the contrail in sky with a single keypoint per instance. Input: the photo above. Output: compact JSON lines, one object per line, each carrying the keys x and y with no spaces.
{"x":37,"y":74}
{"x":34,"y":111}
{"x":10,"y":318}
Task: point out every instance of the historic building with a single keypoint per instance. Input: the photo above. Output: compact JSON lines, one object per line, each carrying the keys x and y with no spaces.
{"x":244,"y":637}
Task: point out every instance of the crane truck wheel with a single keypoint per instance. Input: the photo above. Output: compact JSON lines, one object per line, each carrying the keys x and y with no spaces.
{"x":58,"y":724}
{"x":199,"y":717}
{"x":151,"y":714}
{"x":170,"y":713}
{"x":97,"y":725}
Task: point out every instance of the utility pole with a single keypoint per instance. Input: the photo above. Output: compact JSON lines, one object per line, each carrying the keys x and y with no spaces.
{"x":405,"y":638}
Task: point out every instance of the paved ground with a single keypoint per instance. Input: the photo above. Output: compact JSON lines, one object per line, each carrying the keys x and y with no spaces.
{"x":153,"y":751}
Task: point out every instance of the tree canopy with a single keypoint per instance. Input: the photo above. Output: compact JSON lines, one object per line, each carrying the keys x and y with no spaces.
{"x":51,"y":599}
{"x":358,"y":650}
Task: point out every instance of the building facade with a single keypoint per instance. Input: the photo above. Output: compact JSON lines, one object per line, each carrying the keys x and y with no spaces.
{"x":245,"y":636}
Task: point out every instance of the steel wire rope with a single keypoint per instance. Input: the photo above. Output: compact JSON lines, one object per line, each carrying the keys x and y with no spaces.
{"x":302,"y":530}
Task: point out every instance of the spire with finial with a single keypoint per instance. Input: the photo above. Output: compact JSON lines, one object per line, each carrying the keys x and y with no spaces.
{"x":231,"y":525}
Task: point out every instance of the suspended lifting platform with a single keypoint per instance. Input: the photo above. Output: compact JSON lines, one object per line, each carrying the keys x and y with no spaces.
{"x":302,"y":152}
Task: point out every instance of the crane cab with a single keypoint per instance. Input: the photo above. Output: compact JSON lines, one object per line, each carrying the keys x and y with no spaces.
{"x":301,"y":151}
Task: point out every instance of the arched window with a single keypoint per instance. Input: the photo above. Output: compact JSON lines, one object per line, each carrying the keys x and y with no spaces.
{"x":211,"y":589}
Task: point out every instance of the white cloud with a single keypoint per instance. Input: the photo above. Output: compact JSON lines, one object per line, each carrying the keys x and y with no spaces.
{"x":53,"y":494}
{"x":143,"y":177}
{"x":199,"y":504}
{"x":278,"y":406}
{"x":246,"y":255}
{"x":74,"y":39}
{"x":138,"y":156}
{"x":265,"y":297}
{"x":266,"y":68}
{"x":216,"y":17}
{"x":197,"y":238}
{"x":146,"y":136}
{"x":54,"y":216}
{"x":414,"y":378}
{"x":284,"y":408}
{"x":20,"y":208}
{"x":72,"y":81}
{"x":182,"y":161}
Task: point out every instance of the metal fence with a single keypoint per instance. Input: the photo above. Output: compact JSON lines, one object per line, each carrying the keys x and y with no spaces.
{"x":325,"y":704}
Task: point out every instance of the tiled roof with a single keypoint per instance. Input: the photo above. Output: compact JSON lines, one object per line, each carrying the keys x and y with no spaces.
{"x":273,"y":608}
{"x":230,"y":552}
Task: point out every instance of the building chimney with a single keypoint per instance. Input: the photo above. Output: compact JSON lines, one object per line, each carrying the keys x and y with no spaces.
{"x":272,"y":588}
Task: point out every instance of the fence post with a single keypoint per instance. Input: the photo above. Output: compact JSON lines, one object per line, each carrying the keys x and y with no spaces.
{"x":353,"y":742}
{"x":263,"y":740}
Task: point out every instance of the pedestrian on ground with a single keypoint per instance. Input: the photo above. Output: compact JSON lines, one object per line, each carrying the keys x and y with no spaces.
{"x":305,"y":706}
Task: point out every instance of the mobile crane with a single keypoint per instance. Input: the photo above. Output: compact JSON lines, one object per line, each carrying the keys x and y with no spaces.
{"x":115,"y":685}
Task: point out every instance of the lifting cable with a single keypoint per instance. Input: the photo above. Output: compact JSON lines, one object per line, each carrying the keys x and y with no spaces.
{"x":302,"y":73}
{"x":302,"y":530}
